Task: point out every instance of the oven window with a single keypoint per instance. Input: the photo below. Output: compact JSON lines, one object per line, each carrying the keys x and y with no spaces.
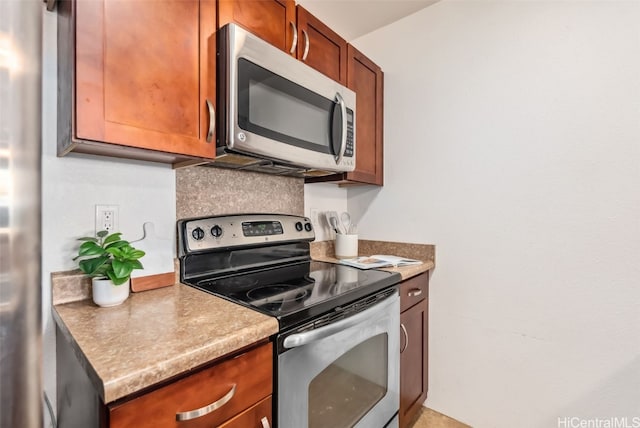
{"x":276,"y":108}
{"x":349,"y":387}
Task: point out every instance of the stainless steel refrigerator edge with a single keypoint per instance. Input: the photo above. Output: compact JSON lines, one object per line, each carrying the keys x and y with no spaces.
{"x":20,"y":199}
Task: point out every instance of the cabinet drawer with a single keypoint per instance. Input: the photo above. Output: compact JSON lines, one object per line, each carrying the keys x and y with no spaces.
{"x":249,"y":373}
{"x":253,"y":417}
{"x":414,"y":290}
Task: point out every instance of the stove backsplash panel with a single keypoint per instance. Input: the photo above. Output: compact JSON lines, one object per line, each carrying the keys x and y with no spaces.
{"x":202,"y":191}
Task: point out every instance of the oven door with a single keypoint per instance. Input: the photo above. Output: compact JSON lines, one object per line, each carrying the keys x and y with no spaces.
{"x":344,"y":374}
{"x":279,"y":108}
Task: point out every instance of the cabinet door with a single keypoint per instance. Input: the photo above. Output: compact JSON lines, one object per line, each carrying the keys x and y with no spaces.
{"x":320,"y":47}
{"x":144,"y":72}
{"x":258,"y":416}
{"x":413,"y":360}
{"x":235,"y":385}
{"x":271,"y":20}
{"x":365,"y":78}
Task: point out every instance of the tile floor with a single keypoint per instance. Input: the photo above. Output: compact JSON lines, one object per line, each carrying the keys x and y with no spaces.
{"x":431,"y":419}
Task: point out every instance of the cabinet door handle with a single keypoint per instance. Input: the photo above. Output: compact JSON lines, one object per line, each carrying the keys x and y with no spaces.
{"x":212,"y":121}
{"x":294,"y":43}
{"x":265,"y":422}
{"x":306,"y":45}
{"x":193,"y":414}
{"x":406,"y":338}
{"x":414,"y":292}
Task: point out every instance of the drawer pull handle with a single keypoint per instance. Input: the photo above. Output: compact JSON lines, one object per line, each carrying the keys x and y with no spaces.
{"x":406,"y":338}
{"x":193,"y":414}
{"x":265,"y":422}
{"x":414,"y":292}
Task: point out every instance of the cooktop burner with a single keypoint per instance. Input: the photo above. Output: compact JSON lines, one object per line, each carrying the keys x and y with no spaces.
{"x":234,"y":283}
{"x":263,"y":262}
{"x":276,"y":297}
{"x":277,"y":292}
{"x":294,"y":293}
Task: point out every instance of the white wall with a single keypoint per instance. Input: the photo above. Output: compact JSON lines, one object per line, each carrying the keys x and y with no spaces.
{"x":512,"y":142}
{"x":319,"y":198}
{"x":73,"y":185}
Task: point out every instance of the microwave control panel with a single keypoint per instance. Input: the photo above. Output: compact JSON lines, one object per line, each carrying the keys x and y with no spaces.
{"x":348,"y":152}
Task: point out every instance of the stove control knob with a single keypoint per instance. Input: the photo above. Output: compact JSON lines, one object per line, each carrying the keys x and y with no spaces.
{"x":216,"y":231}
{"x":197,"y":233}
{"x":299,"y":226}
{"x":307,"y":227}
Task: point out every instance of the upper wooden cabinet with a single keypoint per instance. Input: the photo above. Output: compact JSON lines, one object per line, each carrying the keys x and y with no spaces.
{"x":365,"y":78}
{"x":320,"y":47}
{"x":137,"y":79}
{"x":272,"y":20}
{"x":290,"y":28}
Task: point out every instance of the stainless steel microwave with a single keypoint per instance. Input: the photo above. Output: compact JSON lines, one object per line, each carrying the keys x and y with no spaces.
{"x":277,"y":114}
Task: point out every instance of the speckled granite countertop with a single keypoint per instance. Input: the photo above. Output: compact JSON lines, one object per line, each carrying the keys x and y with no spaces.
{"x":324,"y":251}
{"x":155,"y":335}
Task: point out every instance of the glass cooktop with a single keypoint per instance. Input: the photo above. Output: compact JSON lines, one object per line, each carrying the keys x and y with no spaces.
{"x":294,"y":293}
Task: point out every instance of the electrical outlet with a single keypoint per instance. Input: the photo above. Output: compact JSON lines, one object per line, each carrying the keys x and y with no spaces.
{"x":315,"y":219}
{"x":107,"y":218}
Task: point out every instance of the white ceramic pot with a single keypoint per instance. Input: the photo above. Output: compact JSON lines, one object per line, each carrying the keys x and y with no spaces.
{"x":106,"y":294}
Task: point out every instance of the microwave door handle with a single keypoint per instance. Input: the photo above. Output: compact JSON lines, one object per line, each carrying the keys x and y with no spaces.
{"x":300,"y":339}
{"x":343,"y":138}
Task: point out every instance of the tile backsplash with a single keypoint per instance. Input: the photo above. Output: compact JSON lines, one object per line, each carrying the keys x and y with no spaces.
{"x":202,"y":191}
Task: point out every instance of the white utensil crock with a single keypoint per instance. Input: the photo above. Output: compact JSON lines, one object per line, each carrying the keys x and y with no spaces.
{"x":346,"y":246}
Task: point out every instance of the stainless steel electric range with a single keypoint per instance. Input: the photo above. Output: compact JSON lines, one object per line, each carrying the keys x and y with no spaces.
{"x":336,"y":355}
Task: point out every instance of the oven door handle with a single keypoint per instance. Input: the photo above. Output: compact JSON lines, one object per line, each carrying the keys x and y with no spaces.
{"x":300,"y":339}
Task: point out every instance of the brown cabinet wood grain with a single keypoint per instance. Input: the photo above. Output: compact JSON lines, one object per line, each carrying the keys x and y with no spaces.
{"x":253,"y":417}
{"x":271,"y":20}
{"x":414,"y":337}
{"x":135,"y":78}
{"x":246,"y":379}
{"x":292,"y":29}
{"x":366,"y":79}
{"x":320,"y":47}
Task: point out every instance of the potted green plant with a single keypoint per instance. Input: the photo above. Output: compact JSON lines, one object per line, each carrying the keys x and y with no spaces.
{"x":109,"y":261}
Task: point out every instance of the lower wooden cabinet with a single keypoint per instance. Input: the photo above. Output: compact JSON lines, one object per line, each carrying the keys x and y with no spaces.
{"x":233,"y":393}
{"x":414,"y":321}
{"x":234,"y":389}
{"x":258,"y":416}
